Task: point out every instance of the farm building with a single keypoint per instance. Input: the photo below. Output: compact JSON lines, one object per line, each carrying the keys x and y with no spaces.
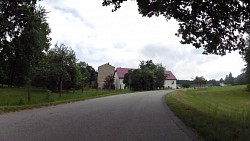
{"x":104,"y":71}
{"x":119,"y":74}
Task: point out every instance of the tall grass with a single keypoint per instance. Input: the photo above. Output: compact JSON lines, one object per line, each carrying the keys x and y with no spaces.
{"x":12,"y":99}
{"x":217,"y":113}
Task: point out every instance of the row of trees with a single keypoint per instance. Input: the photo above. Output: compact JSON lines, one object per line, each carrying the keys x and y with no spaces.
{"x":59,"y":70}
{"x":25,"y":57}
{"x":149,"y":76}
{"x":201,"y":81}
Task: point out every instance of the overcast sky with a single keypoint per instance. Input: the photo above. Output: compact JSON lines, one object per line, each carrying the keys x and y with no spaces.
{"x":123,"y":38}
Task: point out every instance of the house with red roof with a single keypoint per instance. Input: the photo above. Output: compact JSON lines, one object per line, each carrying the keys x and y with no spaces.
{"x":170,"y":81}
{"x":119,"y":77}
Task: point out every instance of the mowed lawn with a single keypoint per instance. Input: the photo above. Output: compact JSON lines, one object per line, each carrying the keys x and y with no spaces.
{"x":216,"y":113}
{"x":12,"y":99}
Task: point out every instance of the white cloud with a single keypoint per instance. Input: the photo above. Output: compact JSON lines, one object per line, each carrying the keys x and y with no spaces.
{"x":123,"y":38}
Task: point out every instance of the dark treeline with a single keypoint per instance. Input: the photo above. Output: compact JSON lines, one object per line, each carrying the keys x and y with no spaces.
{"x":201,"y":81}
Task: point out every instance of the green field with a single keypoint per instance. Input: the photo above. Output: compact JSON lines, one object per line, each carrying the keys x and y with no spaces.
{"x":216,"y":113}
{"x":12,"y":99}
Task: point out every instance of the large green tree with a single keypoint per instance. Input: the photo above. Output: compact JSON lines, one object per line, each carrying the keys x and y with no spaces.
{"x":150,"y":76}
{"x":24,"y":36}
{"x":215,"y":25}
{"x":199,"y":81}
{"x":62,"y":71}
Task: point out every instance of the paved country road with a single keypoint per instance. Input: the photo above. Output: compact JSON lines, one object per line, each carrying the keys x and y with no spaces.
{"x":141,"y":116}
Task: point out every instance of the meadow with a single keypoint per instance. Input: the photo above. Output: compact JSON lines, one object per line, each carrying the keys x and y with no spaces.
{"x":216,"y":113}
{"x":13,"y":99}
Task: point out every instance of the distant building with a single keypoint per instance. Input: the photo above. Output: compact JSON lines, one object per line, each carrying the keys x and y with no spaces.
{"x":119,"y":74}
{"x":104,"y":71}
{"x":170,"y":81}
{"x":119,"y":77}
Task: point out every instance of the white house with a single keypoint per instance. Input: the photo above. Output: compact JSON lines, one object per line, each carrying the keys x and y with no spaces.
{"x":119,"y":74}
{"x":119,"y":77}
{"x":170,"y":81}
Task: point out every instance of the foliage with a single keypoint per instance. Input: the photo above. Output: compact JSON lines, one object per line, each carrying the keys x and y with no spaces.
{"x":185,"y":85}
{"x":200,"y":81}
{"x":24,"y":36}
{"x":109,"y":82}
{"x":229,"y":79}
{"x":213,"y":82}
{"x":62,"y":68}
{"x":150,"y":76}
{"x":93,"y":74}
{"x":83,"y":75}
{"x":216,"y":113}
{"x":241,"y":79}
{"x":247,"y":59}
{"x":217,"y":26}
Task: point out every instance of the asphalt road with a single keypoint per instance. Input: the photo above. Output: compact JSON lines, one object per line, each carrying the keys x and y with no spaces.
{"x":141,"y":116}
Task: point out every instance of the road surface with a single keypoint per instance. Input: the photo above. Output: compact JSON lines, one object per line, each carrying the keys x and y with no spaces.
{"x":141,"y":116}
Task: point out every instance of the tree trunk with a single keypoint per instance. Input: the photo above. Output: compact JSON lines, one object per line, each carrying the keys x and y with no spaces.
{"x":60,"y":87}
{"x":29,"y":89}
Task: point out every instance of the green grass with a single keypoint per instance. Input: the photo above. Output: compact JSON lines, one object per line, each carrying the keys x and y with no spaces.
{"x":13,"y":99}
{"x":216,"y":113}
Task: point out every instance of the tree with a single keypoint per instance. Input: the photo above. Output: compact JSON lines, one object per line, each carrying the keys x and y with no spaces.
{"x":84,"y":75}
{"x":62,"y":62}
{"x":109,"y":82}
{"x":185,"y":85}
{"x":217,"y":26}
{"x":150,"y":76}
{"x":229,"y":79}
{"x":247,"y":60}
{"x":200,"y":81}
{"x":93,"y":74}
{"x":221,"y":80}
{"x":21,"y":20}
{"x":135,"y":80}
{"x":241,"y":79}
{"x":24,"y":36}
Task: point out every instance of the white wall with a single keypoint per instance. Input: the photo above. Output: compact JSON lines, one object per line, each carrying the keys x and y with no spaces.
{"x":170,"y":84}
{"x":118,"y":82}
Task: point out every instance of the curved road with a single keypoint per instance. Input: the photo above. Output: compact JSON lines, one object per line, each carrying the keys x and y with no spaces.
{"x":141,"y":116}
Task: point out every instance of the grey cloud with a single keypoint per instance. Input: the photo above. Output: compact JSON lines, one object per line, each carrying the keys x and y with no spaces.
{"x":180,"y":59}
{"x":74,"y":13}
{"x":89,"y":53}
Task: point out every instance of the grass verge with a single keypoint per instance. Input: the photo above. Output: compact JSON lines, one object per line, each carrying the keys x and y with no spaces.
{"x":15,"y":99}
{"x":216,"y":113}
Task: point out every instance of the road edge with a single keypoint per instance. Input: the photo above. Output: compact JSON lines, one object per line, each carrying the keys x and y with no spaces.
{"x":190,"y":132}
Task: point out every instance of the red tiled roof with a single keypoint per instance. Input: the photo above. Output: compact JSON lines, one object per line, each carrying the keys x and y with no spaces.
{"x":122,"y":71}
{"x":170,"y":75}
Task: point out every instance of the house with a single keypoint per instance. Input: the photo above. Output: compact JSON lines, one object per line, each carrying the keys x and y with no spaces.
{"x":119,"y":74}
{"x":119,"y":77}
{"x":170,"y":81}
{"x":104,"y":71}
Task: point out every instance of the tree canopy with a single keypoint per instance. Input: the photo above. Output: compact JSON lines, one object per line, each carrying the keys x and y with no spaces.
{"x":215,"y":25}
{"x":150,"y":76}
{"x":24,"y":36}
{"x":200,"y":81}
